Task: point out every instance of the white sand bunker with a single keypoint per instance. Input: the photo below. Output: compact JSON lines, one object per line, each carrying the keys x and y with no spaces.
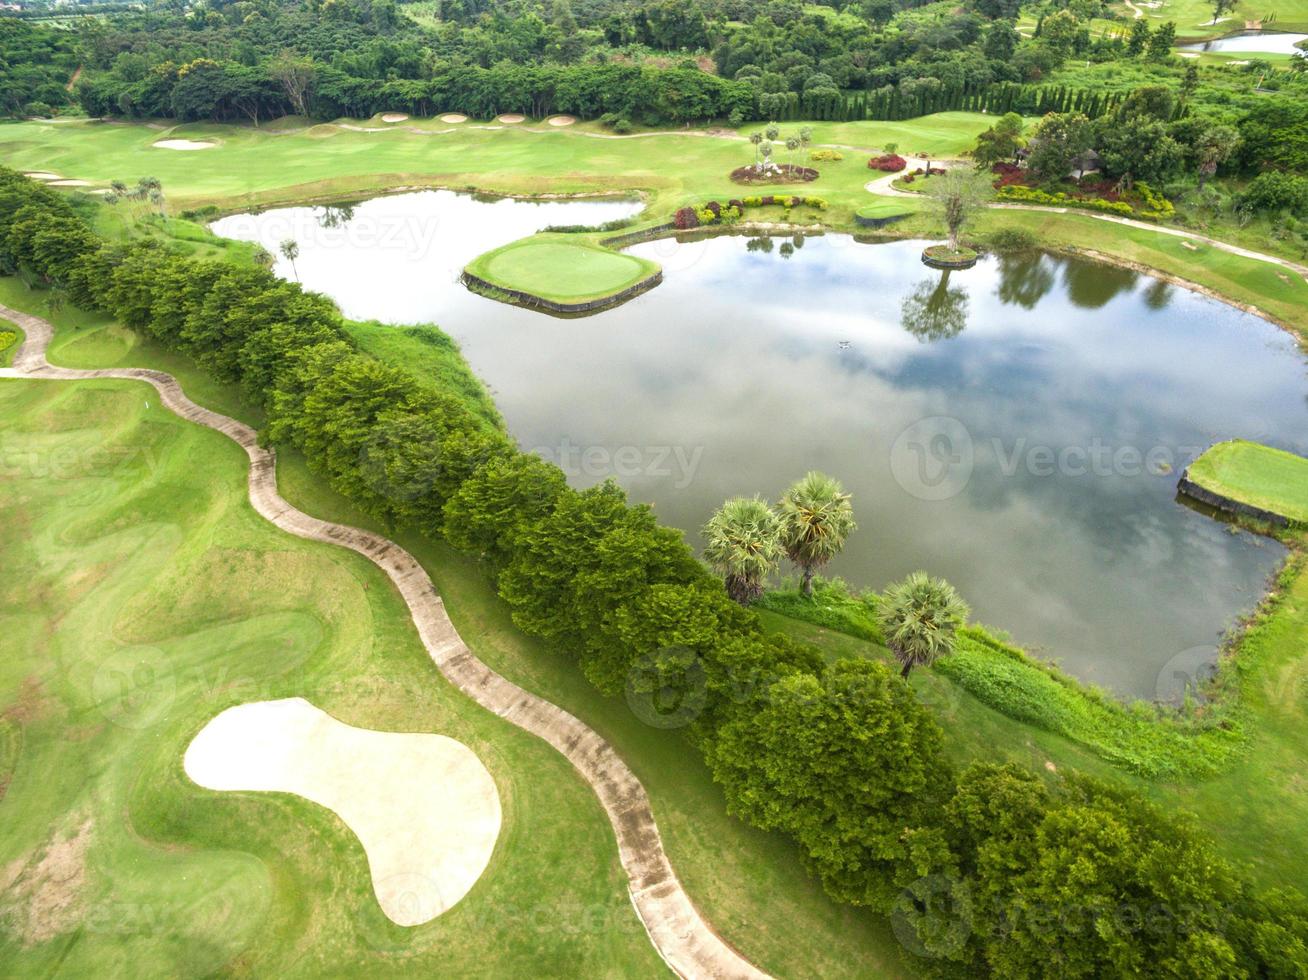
{"x":42,"y":175}
{"x":561,"y":120}
{"x":454,"y":117}
{"x":423,"y":806}
{"x":184,"y":145}
{"x":70,"y":183}
{"x":511,"y":117}
{"x":394,"y":117}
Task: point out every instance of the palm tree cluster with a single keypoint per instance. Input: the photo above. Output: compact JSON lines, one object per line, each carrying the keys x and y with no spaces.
{"x":745,"y":540}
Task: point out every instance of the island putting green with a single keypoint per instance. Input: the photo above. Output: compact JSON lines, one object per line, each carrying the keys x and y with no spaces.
{"x":1255,"y":476}
{"x":561,"y":275}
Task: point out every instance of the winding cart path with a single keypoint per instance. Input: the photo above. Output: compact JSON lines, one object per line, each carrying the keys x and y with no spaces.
{"x":680,"y":934}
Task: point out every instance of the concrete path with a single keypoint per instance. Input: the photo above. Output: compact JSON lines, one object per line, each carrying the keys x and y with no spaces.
{"x":680,"y":934}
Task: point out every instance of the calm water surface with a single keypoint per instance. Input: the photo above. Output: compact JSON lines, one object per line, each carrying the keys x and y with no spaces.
{"x":1252,"y":42}
{"x":1017,"y":428}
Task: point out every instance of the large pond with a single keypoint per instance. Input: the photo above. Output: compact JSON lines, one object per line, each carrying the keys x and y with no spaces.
{"x":1018,"y":428}
{"x":1251,"y":42}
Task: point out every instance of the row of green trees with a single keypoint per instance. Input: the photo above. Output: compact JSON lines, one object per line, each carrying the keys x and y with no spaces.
{"x":839,"y":756}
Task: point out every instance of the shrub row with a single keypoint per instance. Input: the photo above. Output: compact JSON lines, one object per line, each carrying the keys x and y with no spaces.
{"x":841,"y":757}
{"x":714,"y":212}
{"x":1156,"y":207}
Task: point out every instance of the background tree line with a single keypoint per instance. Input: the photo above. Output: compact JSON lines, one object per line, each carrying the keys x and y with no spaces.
{"x":988,"y":871}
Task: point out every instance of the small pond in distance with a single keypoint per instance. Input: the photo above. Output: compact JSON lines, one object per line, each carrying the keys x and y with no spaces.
{"x":1251,"y":42}
{"x":1018,"y":428}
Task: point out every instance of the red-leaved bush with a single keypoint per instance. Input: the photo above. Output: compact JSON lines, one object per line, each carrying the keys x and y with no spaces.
{"x":685,"y":219}
{"x":891,"y":163}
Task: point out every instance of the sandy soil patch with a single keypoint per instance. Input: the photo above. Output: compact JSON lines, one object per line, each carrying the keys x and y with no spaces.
{"x":70,"y":183}
{"x":423,"y":806}
{"x":184,"y":145}
{"x":511,"y":117}
{"x":394,"y":117}
{"x":1189,"y":54}
{"x":561,"y":120}
{"x":44,"y":897}
{"x":42,"y":175}
{"x":454,"y":117}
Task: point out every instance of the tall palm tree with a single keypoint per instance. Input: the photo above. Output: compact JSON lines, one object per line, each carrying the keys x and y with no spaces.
{"x":816,"y":520}
{"x":290,"y":249}
{"x":756,"y":139}
{"x":919,"y":617}
{"x":743,"y":546}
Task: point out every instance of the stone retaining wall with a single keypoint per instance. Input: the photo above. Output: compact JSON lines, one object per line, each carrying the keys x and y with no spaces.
{"x":1227,"y":504}
{"x":534,"y":302}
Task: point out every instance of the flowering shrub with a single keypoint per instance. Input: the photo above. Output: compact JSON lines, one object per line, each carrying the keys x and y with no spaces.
{"x":1156,"y":207}
{"x":826,"y":155}
{"x":1007,"y":174}
{"x":1032,"y":195}
{"x":891,"y":163}
{"x":714,"y":213}
{"x":686,"y":218}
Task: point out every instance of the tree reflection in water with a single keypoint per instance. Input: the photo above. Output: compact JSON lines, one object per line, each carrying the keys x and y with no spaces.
{"x":934,"y":310}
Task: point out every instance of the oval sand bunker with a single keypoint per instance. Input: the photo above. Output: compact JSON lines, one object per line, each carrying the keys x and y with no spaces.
{"x":561,"y":120}
{"x":183,"y":145}
{"x":512,"y":118}
{"x":454,"y":117}
{"x":423,"y":806}
{"x":394,"y":117}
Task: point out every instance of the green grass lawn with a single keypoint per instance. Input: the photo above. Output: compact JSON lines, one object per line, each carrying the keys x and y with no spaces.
{"x":556,"y":268}
{"x":1194,"y":18}
{"x":295,"y":163}
{"x":751,"y":886}
{"x":882,"y":209}
{"x":1271,"y":479}
{"x":142,"y":597}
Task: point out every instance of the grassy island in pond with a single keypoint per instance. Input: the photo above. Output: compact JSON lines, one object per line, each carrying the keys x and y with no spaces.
{"x":1256,"y":476}
{"x":561,"y":274}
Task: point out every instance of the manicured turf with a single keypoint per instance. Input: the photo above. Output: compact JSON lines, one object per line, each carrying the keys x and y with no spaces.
{"x":143,"y":596}
{"x":560,"y":270}
{"x":882,"y":209}
{"x":1268,"y":478}
{"x":751,"y":886}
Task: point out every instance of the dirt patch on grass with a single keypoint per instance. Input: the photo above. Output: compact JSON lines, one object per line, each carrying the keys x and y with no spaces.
{"x":46,"y":897}
{"x":31,"y":704}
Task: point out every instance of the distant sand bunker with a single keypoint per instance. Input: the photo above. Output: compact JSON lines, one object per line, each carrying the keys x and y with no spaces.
{"x":512,"y":117}
{"x":454,"y":117}
{"x":42,"y":175}
{"x":184,"y":145}
{"x":423,"y":806}
{"x":70,"y":183}
{"x":562,"y":120}
{"x":395,"y":116}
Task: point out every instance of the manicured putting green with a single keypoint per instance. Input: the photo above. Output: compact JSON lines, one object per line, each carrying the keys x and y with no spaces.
{"x":882,"y":209}
{"x":1271,"y":479}
{"x":561,"y":271}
